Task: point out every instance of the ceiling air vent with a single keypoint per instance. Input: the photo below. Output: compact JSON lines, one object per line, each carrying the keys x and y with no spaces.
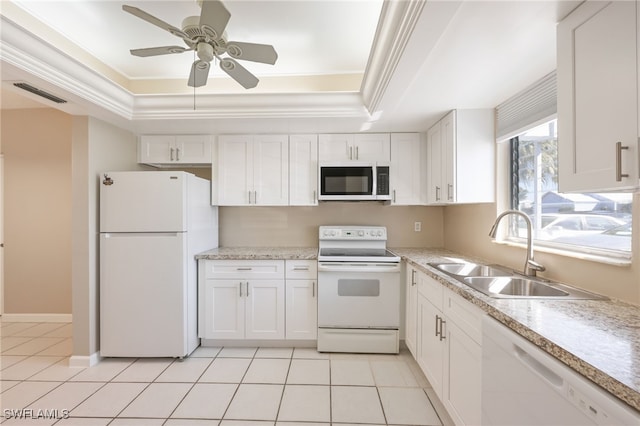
{"x":39,"y":92}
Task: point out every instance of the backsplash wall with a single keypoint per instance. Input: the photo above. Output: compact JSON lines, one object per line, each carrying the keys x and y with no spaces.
{"x":298,"y":226}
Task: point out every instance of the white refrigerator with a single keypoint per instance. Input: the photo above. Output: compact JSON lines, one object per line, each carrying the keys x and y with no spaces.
{"x":152,"y":224}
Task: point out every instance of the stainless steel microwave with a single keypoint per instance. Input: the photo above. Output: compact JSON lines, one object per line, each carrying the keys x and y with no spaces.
{"x":354,"y":181}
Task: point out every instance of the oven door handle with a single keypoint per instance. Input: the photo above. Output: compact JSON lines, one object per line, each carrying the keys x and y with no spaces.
{"x":356,"y":267}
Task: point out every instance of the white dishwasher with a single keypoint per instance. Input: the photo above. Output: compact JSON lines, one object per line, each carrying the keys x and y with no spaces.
{"x":523,"y":385}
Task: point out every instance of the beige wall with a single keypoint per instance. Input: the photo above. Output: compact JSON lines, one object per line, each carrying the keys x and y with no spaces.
{"x":466,"y":231}
{"x":36,"y":144}
{"x":98,"y":147}
{"x":298,"y":226}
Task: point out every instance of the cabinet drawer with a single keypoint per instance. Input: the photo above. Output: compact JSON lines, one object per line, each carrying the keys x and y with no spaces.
{"x":244,"y":269}
{"x":301,"y":269}
{"x":431,"y":289}
{"x":466,"y":315}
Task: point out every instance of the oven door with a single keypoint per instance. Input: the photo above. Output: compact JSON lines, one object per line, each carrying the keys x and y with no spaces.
{"x":358,"y":295}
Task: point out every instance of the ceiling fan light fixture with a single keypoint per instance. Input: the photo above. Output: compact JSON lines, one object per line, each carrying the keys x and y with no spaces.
{"x":205,"y":52}
{"x":227,"y":65}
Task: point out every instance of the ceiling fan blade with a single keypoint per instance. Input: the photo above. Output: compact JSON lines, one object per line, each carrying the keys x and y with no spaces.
{"x":239,"y":73}
{"x":155,"y":51}
{"x":155,"y":21}
{"x":214,"y":18}
{"x":264,"y":53}
{"x":199,"y":73}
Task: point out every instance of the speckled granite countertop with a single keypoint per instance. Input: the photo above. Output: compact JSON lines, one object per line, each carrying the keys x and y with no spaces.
{"x":598,"y":339}
{"x":260,"y":253}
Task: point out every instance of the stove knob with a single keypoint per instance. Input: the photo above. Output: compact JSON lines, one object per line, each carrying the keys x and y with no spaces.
{"x":361,"y":233}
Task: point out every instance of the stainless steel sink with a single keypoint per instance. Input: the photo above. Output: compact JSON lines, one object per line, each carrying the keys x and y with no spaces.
{"x":513,"y":286}
{"x":472,"y":270}
{"x":502,"y":283}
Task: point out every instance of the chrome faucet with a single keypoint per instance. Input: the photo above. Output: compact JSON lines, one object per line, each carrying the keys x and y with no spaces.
{"x":530,"y":266}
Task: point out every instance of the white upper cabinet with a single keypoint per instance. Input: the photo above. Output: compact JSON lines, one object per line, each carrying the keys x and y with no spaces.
{"x":303,"y":170}
{"x":252,"y":170}
{"x":461,"y":158}
{"x":174,"y":150}
{"x":367,"y":147}
{"x":407,"y":163}
{"x":598,"y":98}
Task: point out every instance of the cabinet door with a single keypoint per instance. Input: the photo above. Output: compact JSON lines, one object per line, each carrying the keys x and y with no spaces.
{"x":448,"y":140}
{"x":411,"y":309}
{"x":264,"y":305}
{"x":303,"y":170}
{"x":302,"y":310}
{"x":374,"y":147}
{"x":337,"y":147}
{"x":270,"y":170}
{"x":155,"y":149}
{"x":233,"y":184}
{"x":597,"y":97}
{"x":430,"y":346}
{"x":462,"y":384}
{"x":193,"y":149}
{"x":434,"y":145}
{"x":223,"y":310}
{"x":406,"y":163}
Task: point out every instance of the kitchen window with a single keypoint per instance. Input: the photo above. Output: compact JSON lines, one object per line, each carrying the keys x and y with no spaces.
{"x":592,"y":223}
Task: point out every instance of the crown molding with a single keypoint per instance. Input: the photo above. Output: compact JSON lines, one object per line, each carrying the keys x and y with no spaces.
{"x":65,"y":76}
{"x":397,"y":22}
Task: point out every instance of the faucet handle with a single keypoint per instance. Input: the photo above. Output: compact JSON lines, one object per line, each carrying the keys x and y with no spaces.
{"x":535,"y":266}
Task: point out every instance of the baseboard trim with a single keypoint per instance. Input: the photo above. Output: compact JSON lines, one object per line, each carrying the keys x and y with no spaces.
{"x":37,"y":317}
{"x":81,"y":361}
{"x":241,"y":343}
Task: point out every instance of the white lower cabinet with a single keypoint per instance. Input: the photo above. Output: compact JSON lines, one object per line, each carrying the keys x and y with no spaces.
{"x":448,"y":348}
{"x":411,"y":320}
{"x":301,"y":300}
{"x":250,"y":299}
{"x":241,"y":299}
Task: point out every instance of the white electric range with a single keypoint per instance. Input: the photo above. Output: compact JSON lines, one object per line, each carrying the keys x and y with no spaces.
{"x":358,"y":291}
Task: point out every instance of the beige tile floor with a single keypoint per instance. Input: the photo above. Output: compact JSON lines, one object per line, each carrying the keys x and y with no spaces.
{"x":215,"y":386}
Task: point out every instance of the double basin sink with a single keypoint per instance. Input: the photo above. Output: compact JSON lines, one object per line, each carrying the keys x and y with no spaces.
{"x":499,"y":282}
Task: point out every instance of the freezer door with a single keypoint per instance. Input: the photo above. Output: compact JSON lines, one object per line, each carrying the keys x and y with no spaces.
{"x":143,"y":201}
{"x":143,"y":295}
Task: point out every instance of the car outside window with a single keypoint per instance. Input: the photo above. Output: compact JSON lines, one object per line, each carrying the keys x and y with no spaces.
{"x":590,"y":222}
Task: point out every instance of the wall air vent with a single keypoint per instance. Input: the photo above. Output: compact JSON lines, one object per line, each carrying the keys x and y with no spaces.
{"x":39,"y":92}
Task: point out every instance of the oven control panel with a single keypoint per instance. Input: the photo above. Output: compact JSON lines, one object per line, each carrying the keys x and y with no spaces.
{"x":353,"y":233}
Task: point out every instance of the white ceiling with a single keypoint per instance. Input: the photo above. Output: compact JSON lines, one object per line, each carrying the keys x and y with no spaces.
{"x":438,"y":55}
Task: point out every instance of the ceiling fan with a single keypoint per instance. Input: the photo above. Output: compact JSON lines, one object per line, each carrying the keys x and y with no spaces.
{"x":205,"y":34}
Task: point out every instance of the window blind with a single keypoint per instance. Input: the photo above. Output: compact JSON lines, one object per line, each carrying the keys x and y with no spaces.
{"x":533,"y":105}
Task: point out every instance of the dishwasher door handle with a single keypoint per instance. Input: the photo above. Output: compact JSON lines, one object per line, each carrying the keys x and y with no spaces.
{"x":538,"y":367}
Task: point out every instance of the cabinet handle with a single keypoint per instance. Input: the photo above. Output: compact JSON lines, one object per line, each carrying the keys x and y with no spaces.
{"x":619,"y":174}
{"x":244,"y":268}
{"x":437,"y":324}
{"x":313,"y":289}
{"x":357,"y":154}
{"x":413,"y":277}
{"x":437,"y":193}
{"x":314,"y":196}
{"x":240,"y":286}
{"x":248,"y":291}
{"x":350,"y":153}
{"x":249,"y":197}
{"x":171,"y":150}
{"x":442,"y":323}
{"x":450,"y":192}
{"x":177,"y":154}
{"x":300,"y":268}
{"x":394,"y":195}
{"x":255,"y":197}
